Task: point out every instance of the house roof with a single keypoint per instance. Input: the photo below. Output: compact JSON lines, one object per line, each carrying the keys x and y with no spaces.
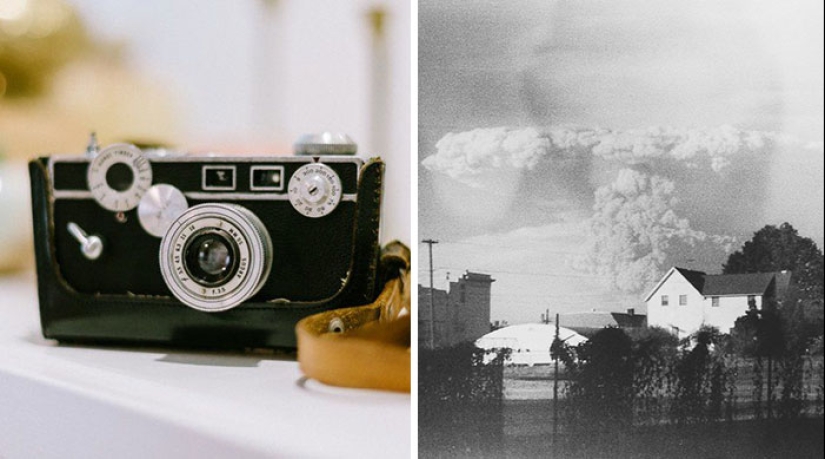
{"x":594,"y":319}
{"x":696,"y":278}
{"x":737,"y":284}
{"x":477,"y":277}
{"x":601,"y":319}
{"x":629,"y":320}
{"x":729,"y":284}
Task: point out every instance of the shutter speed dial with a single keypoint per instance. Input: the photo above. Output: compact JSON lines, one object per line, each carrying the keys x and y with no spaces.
{"x":315,"y":190}
{"x":118,"y":177}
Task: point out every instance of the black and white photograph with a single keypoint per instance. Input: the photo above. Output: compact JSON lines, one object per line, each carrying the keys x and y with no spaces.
{"x":620,"y":224}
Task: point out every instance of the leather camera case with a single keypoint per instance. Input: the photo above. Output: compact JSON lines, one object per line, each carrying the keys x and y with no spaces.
{"x":88,"y":315}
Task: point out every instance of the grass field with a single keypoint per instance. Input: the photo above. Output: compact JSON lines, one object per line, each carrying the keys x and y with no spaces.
{"x":798,"y":439}
{"x":527,"y":433}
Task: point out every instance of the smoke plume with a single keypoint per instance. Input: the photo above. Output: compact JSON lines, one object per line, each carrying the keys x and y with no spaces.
{"x":635,"y":235}
{"x":656,"y":197}
{"x":468,"y":156}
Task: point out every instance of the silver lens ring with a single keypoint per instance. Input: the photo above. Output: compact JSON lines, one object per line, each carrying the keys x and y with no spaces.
{"x":242,"y":238}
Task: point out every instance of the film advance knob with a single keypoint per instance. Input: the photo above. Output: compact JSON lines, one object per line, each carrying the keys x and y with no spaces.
{"x":325,"y":143}
{"x":159,"y":207}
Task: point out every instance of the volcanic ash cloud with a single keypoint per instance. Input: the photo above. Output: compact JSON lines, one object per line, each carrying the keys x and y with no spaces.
{"x":469,"y":156}
{"x":466,"y":155}
{"x":635,"y":235}
{"x":658,"y":196}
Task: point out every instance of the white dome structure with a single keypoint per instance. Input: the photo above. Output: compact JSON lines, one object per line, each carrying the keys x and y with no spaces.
{"x":530,"y":343}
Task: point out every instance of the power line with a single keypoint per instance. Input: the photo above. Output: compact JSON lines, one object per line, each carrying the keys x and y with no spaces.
{"x":575,"y":304}
{"x":538,"y":274}
{"x":552,"y":295}
{"x":501,"y":246}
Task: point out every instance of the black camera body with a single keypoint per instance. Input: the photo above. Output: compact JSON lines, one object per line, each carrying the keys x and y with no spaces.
{"x":204,"y":251}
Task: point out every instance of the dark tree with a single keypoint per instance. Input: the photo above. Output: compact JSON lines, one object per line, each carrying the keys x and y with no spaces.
{"x":601,"y":386}
{"x":782,"y":248}
{"x":778,"y":248}
{"x":701,"y":378}
{"x":761,"y":333}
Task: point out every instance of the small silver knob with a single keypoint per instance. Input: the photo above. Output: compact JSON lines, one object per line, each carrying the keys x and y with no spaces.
{"x":325,"y":143}
{"x":160,"y":207}
{"x":92,"y":148}
{"x":90,"y":246}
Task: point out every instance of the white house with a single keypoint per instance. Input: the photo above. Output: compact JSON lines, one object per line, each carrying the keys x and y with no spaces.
{"x":684,"y":300}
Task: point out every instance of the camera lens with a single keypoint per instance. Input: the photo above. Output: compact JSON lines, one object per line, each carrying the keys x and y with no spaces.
{"x":210,"y":257}
{"x":215,"y":256}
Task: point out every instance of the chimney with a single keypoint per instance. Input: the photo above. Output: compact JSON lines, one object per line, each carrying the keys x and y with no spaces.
{"x":631,"y":312}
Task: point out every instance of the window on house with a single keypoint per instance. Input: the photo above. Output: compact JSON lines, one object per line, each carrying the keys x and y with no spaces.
{"x":751,"y":301}
{"x":714,"y":301}
{"x":682,"y":300}
{"x":664,"y":300}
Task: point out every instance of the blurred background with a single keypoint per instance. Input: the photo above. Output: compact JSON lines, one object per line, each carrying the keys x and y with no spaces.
{"x":207,"y":75}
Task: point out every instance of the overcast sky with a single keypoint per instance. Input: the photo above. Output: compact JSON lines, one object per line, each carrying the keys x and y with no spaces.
{"x":571,"y":149}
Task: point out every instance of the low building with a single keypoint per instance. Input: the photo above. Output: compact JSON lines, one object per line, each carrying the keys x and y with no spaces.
{"x":685,"y":300}
{"x":590,"y":322}
{"x":459,"y":315}
{"x":528,"y":344}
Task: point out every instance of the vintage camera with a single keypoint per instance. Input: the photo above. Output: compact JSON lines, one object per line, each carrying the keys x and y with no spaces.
{"x":157,"y":247}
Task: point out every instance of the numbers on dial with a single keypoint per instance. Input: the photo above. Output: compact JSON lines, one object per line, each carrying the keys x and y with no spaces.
{"x":315,"y":190}
{"x":118,"y":177}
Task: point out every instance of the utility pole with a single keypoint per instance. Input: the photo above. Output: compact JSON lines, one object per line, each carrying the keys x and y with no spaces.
{"x":556,"y":380}
{"x":430,"y":243}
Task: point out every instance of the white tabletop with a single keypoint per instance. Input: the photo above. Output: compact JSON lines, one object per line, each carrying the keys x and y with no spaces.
{"x":71,"y":401}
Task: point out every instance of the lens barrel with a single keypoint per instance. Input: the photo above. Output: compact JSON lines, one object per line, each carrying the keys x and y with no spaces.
{"x":215,"y":256}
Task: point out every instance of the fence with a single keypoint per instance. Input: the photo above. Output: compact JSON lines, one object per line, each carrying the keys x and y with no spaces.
{"x":614,"y":387}
{"x":460,"y":403}
{"x":620,"y":383}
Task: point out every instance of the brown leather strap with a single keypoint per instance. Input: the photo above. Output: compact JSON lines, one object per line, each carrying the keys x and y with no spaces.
{"x":364,"y":346}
